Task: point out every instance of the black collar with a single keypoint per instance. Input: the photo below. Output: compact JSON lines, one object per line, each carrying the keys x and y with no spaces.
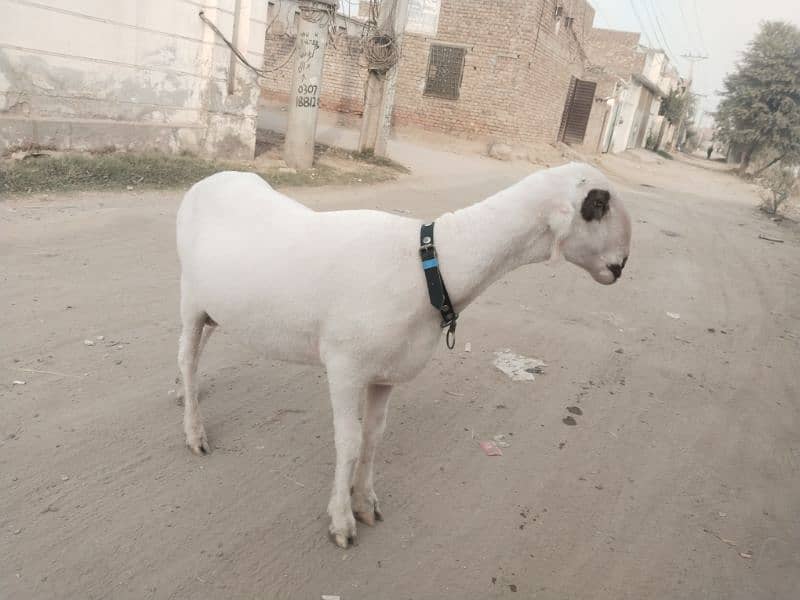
{"x":436,"y":288}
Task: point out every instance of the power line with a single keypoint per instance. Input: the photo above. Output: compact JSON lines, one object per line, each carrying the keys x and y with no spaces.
{"x":649,"y":19}
{"x":658,"y":32}
{"x":663,"y":37}
{"x":699,"y":28}
{"x":685,"y":23}
{"x":653,"y":18}
{"x":641,"y":24}
{"x":237,"y":52}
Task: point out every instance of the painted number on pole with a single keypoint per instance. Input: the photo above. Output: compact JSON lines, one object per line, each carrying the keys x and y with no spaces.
{"x":307,"y":93}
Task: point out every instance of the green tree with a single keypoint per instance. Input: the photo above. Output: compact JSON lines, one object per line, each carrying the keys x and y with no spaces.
{"x":760,"y":106}
{"x":675,"y":104}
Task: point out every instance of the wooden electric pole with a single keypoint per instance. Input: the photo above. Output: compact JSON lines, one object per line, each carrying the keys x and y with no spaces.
{"x":376,"y":123}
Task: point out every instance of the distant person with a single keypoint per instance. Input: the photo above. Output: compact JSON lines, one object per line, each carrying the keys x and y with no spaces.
{"x":708,"y":152}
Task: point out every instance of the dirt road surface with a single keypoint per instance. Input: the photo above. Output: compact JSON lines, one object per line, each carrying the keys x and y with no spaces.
{"x":680,"y":477}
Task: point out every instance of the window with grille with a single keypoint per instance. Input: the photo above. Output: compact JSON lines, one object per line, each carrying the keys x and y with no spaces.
{"x":445,"y":71}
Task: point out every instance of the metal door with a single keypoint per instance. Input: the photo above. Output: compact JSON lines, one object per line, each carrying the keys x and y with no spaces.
{"x":577,"y":109}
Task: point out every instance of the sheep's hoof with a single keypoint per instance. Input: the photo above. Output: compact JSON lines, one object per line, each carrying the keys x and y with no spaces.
{"x":342,"y":540}
{"x":369,"y":517}
{"x":365,"y":507}
{"x":199,"y":446}
{"x":344,"y":536}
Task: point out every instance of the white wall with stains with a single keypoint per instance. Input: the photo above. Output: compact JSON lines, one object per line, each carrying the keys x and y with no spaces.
{"x":129,"y":74}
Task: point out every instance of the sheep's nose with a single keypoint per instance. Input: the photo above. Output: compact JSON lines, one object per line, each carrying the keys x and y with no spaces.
{"x":616,"y":270}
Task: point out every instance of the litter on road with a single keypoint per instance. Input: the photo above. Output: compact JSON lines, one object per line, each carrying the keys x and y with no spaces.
{"x":490,"y":448}
{"x":769,"y":239}
{"x":517,"y":367}
{"x":672,"y":315}
{"x":501,"y":440}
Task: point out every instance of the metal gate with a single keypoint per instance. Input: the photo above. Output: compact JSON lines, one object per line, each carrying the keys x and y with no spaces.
{"x":577,"y":109}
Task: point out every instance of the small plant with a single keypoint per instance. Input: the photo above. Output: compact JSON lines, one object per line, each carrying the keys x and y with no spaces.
{"x":665,"y":154}
{"x":777,"y":183}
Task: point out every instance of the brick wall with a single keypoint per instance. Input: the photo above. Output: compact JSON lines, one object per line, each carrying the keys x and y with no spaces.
{"x":517,"y":71}
{"x":559,"y":56}
{"x":489,"y":98}
{"x":617,"y":51}
{"x":518,"y":65}
{"x":343,"y":77}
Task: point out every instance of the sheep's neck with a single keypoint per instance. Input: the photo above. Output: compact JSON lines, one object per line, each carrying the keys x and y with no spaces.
{"x":479,"y":244}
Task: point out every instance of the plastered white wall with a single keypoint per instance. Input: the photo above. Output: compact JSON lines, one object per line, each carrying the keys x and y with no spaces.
{"x":129,"y":74}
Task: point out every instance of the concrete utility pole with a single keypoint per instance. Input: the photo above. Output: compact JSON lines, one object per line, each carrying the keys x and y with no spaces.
{"x":701,"y":112}
{"x":312,"y":38}
{"x":376,"y":123}
{"x":692,"y":58}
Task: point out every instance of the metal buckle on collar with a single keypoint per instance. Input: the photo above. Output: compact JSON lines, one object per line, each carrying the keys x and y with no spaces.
{"x":450,"y":339}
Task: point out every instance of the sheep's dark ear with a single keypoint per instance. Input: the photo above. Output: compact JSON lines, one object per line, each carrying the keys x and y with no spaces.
{"x":595,"y":205}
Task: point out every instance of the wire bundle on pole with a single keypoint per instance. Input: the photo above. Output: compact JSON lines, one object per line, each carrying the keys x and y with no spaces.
{"x":380,"y":51}
{"x":379,"y":45}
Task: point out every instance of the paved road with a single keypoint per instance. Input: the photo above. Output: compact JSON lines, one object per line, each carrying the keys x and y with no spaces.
{"x":678,"y":480}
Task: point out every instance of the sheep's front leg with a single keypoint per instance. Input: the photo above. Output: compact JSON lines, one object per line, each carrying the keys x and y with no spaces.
{"x":364,"y":500}
{"x":346,"y":398}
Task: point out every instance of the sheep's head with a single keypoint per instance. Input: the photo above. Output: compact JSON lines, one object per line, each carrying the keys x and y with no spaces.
{"x":592,"y":229}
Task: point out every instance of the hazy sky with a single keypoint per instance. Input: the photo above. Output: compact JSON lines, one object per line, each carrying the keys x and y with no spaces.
{"x":717,"y":28}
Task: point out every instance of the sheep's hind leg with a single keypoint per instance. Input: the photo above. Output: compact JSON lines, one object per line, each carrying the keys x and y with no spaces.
{"x":188,"y":356}
{"x":210,"y":327}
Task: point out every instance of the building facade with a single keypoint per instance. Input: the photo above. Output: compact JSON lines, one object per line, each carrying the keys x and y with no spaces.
{"x":514,"y":72}
{"x":499,"y":73}
{"x":129,"y":74}
{"x":635,"y":79}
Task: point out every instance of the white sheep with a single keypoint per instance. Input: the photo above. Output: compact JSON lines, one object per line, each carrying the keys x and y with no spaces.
{"x":346,"y":289}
